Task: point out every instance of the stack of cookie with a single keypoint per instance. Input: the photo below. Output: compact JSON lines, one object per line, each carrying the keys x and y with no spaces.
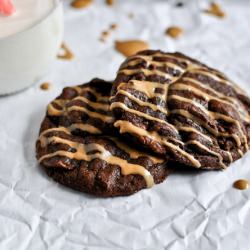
{"x":116,"y":138}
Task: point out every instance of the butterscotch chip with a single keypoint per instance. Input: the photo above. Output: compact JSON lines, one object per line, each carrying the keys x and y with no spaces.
{"x":45,"y":86}
{"x":131,"y":47}
{"x":81,"y":3}
{"x":215,"y":10}
{"x":66,"y":53}
{"x":110,"y":2}
{"x":174,"y":31}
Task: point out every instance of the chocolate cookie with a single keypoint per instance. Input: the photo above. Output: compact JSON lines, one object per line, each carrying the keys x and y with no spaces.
{"x":78,"y":146}
{"x":181,"y":109}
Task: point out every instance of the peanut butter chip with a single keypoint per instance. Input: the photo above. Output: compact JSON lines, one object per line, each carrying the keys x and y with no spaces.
{"x":128,"y":48}
{"x":66,"y":53}
{"x":81,"y":3}
{"x":242,"y":184}
{"x":215,"y":10}
{"x":174,"y":31}
{"x":45,"y":86}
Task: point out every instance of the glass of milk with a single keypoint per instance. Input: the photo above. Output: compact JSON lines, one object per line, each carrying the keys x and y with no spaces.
{"x":29,"y":42}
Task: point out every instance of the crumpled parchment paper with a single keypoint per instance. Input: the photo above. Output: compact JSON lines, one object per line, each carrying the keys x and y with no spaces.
{"x":189,"y":210}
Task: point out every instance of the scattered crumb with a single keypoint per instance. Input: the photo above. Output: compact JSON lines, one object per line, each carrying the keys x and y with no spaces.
{"x":215,"y":10}
{"x":113,"y":26}
{"x":105,"y":33}
{"x":131,"y":47}
{"x":66,"y":53}
{"x":174,"y":31}
{"x":45,"y":86}
{"x":101,"y":39}
{"x":131,"y":15}
{"x":110,"y":2}
{"x":79,"y":4}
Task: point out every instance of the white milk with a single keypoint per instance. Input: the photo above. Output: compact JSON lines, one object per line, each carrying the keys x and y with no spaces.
{"x":29,"y":42}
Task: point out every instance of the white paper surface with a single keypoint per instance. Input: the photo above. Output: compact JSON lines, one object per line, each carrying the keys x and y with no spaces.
{"x":188,"y":211}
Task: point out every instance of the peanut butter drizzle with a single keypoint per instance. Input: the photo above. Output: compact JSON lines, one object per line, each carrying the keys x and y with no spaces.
{"x":149,"y":61}
{"x":105,"y":118}
{"x":125,"y":126}
{"x":197,"y":143}
{"x":131,"y":47}
{"x":53,"y":111}
{"x":67,"y":53}
{"x":193,"y":130}
{"x":204,"y":124}
{"x":97,"y":95}
{"x":134,"y":154}
{"x":95,"y":105}
{"x":142,"y":103}
{"x":241,"y":184}
{"x":85,"y":127}
{"x":79,"y":4}
{"x":149,"y":117}
{"x":215,"y":10}
{"x":147,"y":72}
{"x":174,"y":32}
{"x":45,"y":86}
{"x":83,"y":152}
{"x":214,"y":115}
{"x":218,"y":96}
{"x":148,"y":88}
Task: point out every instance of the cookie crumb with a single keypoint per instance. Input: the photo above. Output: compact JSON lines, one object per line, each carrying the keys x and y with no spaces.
{"x":113,"y":26}
{"x":215,"y":10}
{"x":105,"y":33}
{"x":79,"y":4}
{"x":66,"y":53}
{"x":174,"y":31}
{"x":130,"y":47}
{"x":45,"y":86}
{"x":110,"y":2}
